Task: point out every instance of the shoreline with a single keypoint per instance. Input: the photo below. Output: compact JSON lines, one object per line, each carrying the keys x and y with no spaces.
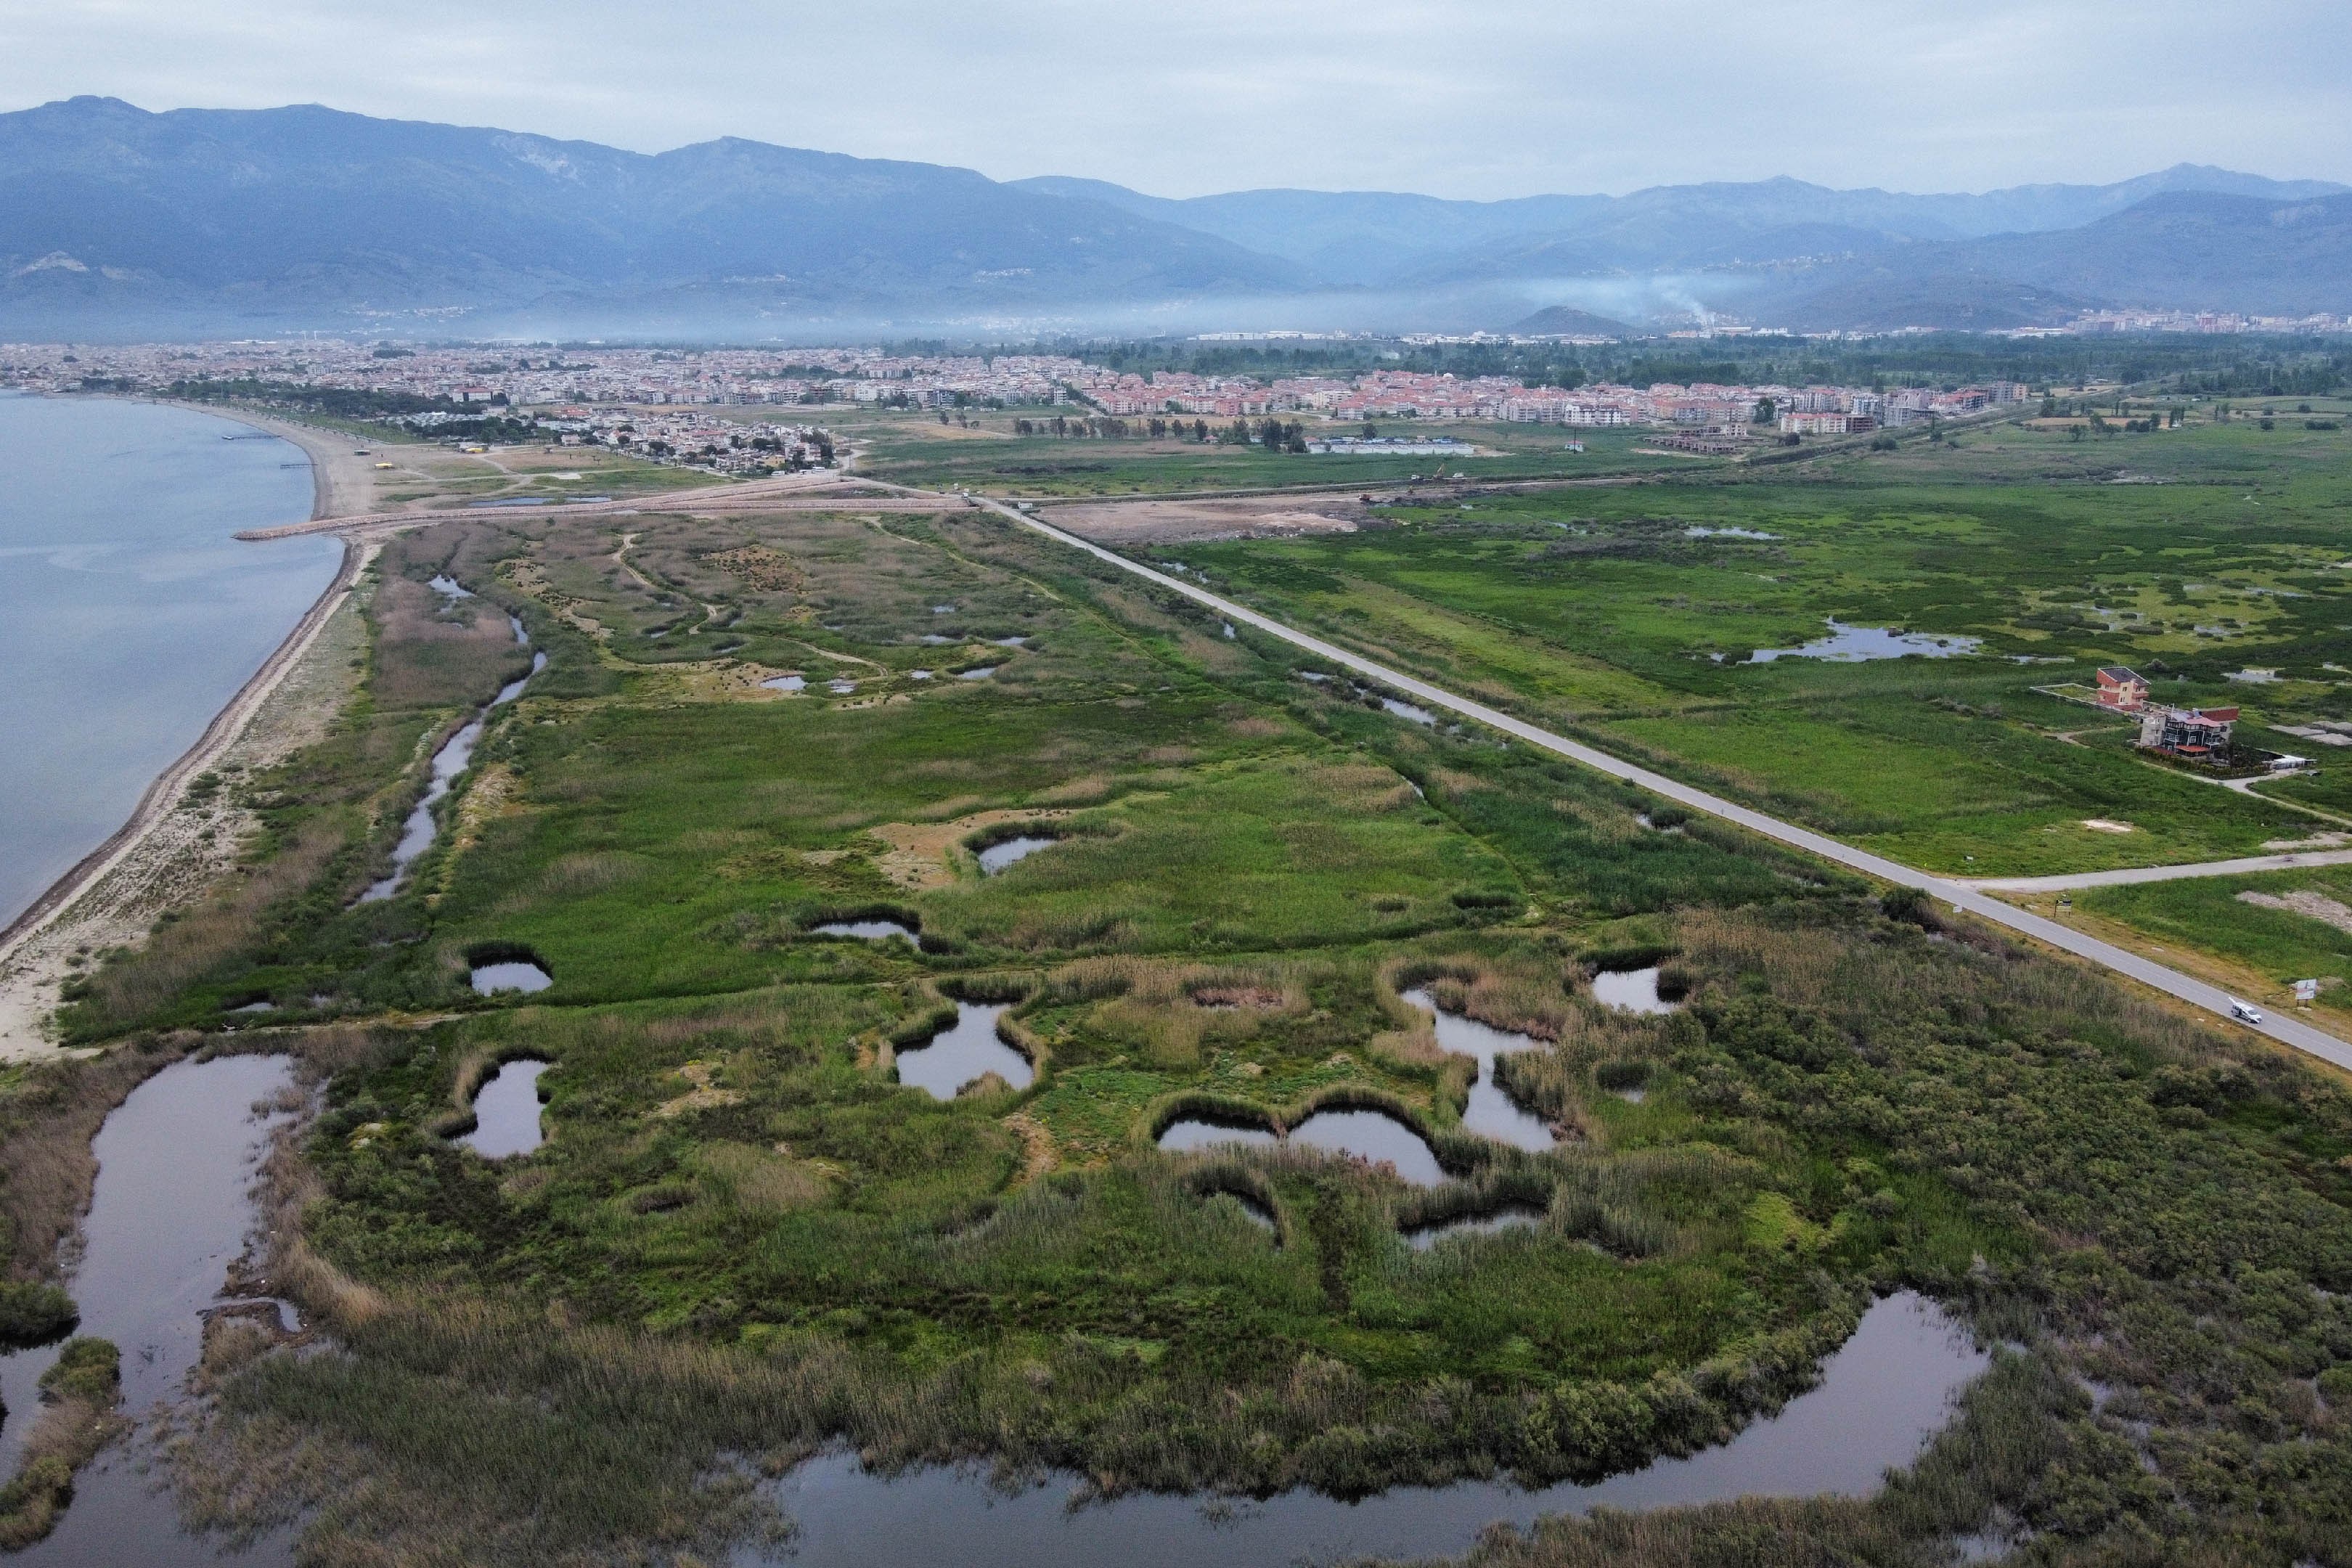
{"x":29,"y":980}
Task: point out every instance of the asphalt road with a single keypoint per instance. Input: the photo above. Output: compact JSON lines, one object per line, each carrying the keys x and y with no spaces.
{"x":2159,"y":873}
{"x":2286,"y":1031}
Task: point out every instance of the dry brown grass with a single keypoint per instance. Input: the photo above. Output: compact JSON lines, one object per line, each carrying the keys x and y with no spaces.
{"x":187,"y":946}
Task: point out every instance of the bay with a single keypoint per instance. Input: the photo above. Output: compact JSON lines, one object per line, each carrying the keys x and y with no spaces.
{"x":128,"y":616}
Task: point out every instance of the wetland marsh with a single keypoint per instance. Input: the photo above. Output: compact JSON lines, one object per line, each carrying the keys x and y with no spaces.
{"x":1349,"y":1133}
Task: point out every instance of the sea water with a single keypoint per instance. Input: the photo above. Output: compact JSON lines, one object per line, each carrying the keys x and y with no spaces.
{"x":129,"y":616}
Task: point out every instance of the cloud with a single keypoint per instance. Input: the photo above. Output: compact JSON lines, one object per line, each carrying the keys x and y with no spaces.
{"x":1475,"y":97}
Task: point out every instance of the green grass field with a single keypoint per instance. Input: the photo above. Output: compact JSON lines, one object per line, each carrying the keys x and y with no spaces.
{"x":1608,"y":611}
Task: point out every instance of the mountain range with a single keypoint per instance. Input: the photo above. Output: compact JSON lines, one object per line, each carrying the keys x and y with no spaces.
{"x":116,"y":222}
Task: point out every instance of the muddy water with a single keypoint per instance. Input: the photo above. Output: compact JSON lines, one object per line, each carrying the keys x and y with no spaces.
{"x":1369,"y":1135}
{"x":505,"y":1111}
{"x":170,"y":1211}
{"x":1882,"y":1397}
{"x":965,"y":1050}
{"x":1490,"y":1113}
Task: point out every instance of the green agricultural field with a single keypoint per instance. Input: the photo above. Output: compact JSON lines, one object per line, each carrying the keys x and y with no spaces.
{"x":749,"y":1235}
{"x":1632,"y":615}
{"x":986,"y":454}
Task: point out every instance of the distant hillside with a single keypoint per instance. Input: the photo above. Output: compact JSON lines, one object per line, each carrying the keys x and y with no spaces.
{"x":1567,"y":321}
{"x":2180,"y":250}
{"x":110,"y":215}
{"x":116,"y":222}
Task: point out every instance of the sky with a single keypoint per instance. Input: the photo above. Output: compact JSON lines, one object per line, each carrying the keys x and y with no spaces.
{"x":1478,"y":99}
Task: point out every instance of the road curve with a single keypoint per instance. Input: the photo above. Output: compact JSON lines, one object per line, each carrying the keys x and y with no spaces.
{"x":2286,"y":1031}
{"x":2125,"y":879}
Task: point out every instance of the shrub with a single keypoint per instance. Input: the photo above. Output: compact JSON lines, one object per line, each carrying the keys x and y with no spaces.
{"x":86,"y":1369}
{"x":34,"y":1314}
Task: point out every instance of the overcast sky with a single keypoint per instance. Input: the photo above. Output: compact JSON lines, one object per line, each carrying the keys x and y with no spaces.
{"x":1468,"y":98}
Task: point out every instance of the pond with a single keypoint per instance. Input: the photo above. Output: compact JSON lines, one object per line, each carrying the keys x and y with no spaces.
{"x":1633,"y":990}
{"x":1882,"y":1395}
{"x":785,"y":682}
{"x":865,"y":931}
{"x":1372,"y":1136}
{"x":997,"y":857}
{"x":1407,"y":710}
{"x":1853,"y":645}
{"x":1490,"y":1112}
{"x":983,"y":673}
{"x":1727,"y":533}
{"x":963,"y":1052}
{"x":508,"y":975}
{"x":505,"y":1111}
{"x":841,"y":687}
{"x":1513,"y":1216}
{"x":171,"y":1211}
{"x":1191,"y":1134}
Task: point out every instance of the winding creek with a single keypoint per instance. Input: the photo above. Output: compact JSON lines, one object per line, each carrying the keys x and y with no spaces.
{"x":456,"y":755}
{"x":1882,"y":1395}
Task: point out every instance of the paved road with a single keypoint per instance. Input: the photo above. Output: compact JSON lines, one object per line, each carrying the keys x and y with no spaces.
{"x":2287,"y":1031}
{"x":2160,"y":873}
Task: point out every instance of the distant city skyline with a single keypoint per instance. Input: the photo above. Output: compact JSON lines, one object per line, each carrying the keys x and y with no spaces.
{"x":1480,"y":100}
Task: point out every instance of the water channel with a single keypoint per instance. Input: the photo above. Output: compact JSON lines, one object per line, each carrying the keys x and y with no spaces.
{"x":1883,"y":1394}
{"x":171,"y":1211}
{"x":456,"y":755}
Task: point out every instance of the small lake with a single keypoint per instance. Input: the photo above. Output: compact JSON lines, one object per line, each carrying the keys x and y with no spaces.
{"x":997,"y":857}
{"x":865,"y":931}
{"x":983,"y":673}
{"x":171,"y":1211}
{"x":1372,"y":1136}
{"x":505,"y":1111}
{"x":1490,"y":1112}
{"x":1883,"y":1396}
{"x":512,"y":974}
{"x":1633,"y":989}
{"x":1853,"y":644}
{"x":966,"y":1050}
{"x":785,"y":682}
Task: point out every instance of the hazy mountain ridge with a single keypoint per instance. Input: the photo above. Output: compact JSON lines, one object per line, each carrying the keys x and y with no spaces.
{"x":117,"y":222}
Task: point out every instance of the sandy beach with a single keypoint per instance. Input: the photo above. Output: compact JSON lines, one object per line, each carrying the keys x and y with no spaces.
{"x":168,"y":852}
